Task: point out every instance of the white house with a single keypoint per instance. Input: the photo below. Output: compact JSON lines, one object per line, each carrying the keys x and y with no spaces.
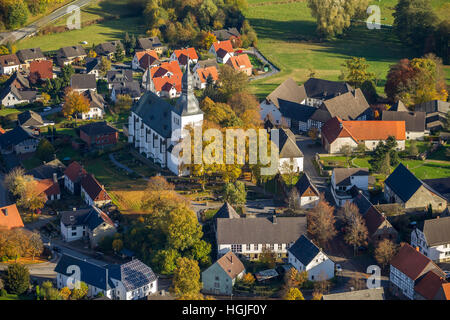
{"x":183,"y":55}
{"x":82,"y":82}
{"x":90,"y":223}
{"x":153,"y":120}
{"x":406,"y":270}
{"x":72,"y":177}
{"x":343,"y":181}
{"x":304,"y":255}
{"x":432,"y":237}
{"x":9,"y":63}
{"x":290,"y":155}
{"x":248,"y":237}
{"x":222,"y":50}
{"x":92,"y":192}
{"x":11,"y":96}
{"x":309,"y":195}
{"x":18,"y":140}
{"x":96,"y":106}
{"x":132,"y":280}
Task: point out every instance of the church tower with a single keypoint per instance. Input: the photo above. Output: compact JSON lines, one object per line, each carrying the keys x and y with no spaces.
{"x":187,"y":104}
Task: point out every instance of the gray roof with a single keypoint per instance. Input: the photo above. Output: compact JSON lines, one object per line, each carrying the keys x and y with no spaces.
{"x":30,"y":118}
{"x":226,"y":34}
{"x":123,"y":75}
{"x":91,"y":217}
{"x":226,"y":211}
{"x":288,"y":145}
{"x":187,"y":103}
{"x":398,"y":106}
{"x":30,"y":54}
{"x":91,"y":273}
{"x":97,"y":128}
{"x":92,"y":64}
{"x":149,"y":43}
{"x":107,"y":48}
{"x":347,"y":106}
{"x":304,"y":250}
{"x":15,"y":136}
{"x":436,"y":231}
{"x":325,"y":89}
{"x":83,"y":81}
{"x":441,"y":185}
{"x":46,"y":170}
{"x":96,"y":100}
{"x":367,"y":294}
{"x":289,"y":90}
{"x":433,"y":106}
{"x":155,"y":113}
{"x":414,"y":121}
{"x":131,"y":88}
{"x":304,"y":183}
{"x":72,"y":52}
{"x":133,"y":274}
{"x":342,"y":175}
{"x":296,"y":111}
{"x":28,"y":95}
{"x":20,"y":78}
{"x":208,"y":63}
{"x":260,"y":230}
{"x":362,"y":203}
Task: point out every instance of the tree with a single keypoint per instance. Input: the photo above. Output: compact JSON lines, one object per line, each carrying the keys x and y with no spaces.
{"x":123,"y":103}
{"x":81,"y":292}
{"x":65,"y":293}
{"x":32,"y":198}
{"x":293,"y":199}
{"x":186,"y":278}
{"x":45,"y":150}
{"x":267,"y":258}
{"x":47,"y":291}
{"x":347,"y":151}
{"x":235,"y":193}
{"x":183,"y":229}
{"x":231,"y":82}
{"x":74,"y":103}
{"x":66,"y":73}
{"x":316,"y":296}
{"x":356,"y":233}
{"x":36,"y":247}
{"x":413,"y":150}
{"x":294,"y":278}
{"x":166,"y":260}
{"x":208,"y":39}
{"x":334,"y":16}
{"x":105,"y":65}
{"x":347,"y":214}
{"x":414,"y":21}
{"x":385,"y":165}
{"x":320,"y":222}
{"x":17,"y":14}
{"x":118,"y":55}
{"x":385,"y":251}
{"x":17,"y":279}
{"x":313,"y":133}
{"x":294,"y":294}
{"x":248,"y":279}
{"x":15,"y":180}
{"x":242,"y":102}
{"x":92,"y":53}
{"x":356,"y":71}
{"x":117,"y":245}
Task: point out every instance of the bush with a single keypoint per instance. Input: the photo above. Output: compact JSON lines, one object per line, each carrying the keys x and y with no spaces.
{"x":3,"y":293}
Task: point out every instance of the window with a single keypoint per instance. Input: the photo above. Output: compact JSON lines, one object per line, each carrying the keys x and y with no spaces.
{"x":247,"y":247}
{"x":279,"y":246}
{"x":74,"y":234}
{"x":256,"y":247}
{"x":216,"y":278}
{"x":74,"y":228}
{"x":236,"y":248}
{"x":272,"y":247}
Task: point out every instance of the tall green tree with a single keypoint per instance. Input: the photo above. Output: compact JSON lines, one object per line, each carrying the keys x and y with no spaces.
{"x":17,"y":279}
{"x":356,"y":71}
{"x":186,"y":278}
{"x":45,"y":150}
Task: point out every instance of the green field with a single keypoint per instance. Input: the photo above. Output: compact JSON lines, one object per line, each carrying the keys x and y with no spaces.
{"x":107,"y":30}
{"x":287,"y":37}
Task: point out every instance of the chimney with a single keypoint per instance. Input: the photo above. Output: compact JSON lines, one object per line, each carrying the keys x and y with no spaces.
{"x":55,"y":177}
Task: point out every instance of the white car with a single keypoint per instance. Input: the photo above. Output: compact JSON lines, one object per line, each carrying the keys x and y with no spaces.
{"x":84,"y":42}
{"x":338,"y":268}
{"x":47,"y":109}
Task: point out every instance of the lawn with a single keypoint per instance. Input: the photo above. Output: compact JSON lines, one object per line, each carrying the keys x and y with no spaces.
{"x":287,"y":37}
{"x":422,"y":169}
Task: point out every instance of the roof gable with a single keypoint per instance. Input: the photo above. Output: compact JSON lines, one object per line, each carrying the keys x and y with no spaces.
{"x":403,"y":183}
{"x":304,"y":250}
{"x":10,"y":217}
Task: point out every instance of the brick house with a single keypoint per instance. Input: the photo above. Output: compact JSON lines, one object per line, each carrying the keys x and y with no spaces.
{"x":99,"y":134}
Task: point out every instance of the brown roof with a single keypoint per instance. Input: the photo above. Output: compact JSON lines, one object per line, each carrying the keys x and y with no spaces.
{"x":224,"y":45}
{"x":429,"y":285}
{"x":410,"y":261}
{"x":203,"y":73}
{"x":9,"y":60}
{"x":183,"y":54}
{"x":43,"y":68}
{"x":144,"y":56}
{"x":342,"y":175}
{"x":231,"y":264}
{"x":93,"y":188}
{"x":373,"y":220}
{"x":289,"y":90}
{"x":414,"y":121}
{"x":49,"y":187}
{"x":10,"y":217}
{"x":75,"y":171}
{"x":240,"y":62}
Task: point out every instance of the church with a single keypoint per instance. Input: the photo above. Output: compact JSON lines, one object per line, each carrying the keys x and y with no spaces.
{"x":153,"y":119}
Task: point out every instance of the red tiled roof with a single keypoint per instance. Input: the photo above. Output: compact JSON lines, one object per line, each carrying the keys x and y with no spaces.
{"x":240,"y":62}
{"x":75,"y":171}
{"x":172,"y":67}
{"x":10,"y":217}
{"x":373,"y":219}
{"x":203,"y":73}
{"x":446,"y":289}
{"x":410,"y":262}
{"x":183,"y":54}
{"x":429,"y":285}
{"x":2,"y":131}
{"x":93,"y":188}
{"x":43,"y":68}
{"x":48,"y":186}
{"x":225,"y":45}
{"x":9,"y":60}
{"x":166,"y":83}
{"x":143,"y":56}
{"x":363,"y":130}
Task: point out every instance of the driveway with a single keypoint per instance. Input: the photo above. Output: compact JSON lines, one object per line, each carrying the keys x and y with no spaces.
{"x":273,"y":69}
{"x":34,"y":27}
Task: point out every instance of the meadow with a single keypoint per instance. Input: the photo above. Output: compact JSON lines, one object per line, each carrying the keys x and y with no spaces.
{"x":287,"y":37}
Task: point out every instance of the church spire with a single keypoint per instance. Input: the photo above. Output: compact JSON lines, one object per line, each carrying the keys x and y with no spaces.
{"x":149,"y":85}
{"x":188,"y":104}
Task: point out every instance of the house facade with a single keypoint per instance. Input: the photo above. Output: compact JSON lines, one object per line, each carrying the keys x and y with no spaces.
{"x":222,"y":50}
{"x":432,"y":237}
{"x":309,"y":195}
{"x":220,"y":277}
{"x":345,"y":180}
{"x":9,"y":63}
{"x":304,"y":255}
{"x":72,"y":177}
{"x":290,"y":156}
{"x":19,"y":140}
{"x":98,"y":134}
{"x":92,"y":192}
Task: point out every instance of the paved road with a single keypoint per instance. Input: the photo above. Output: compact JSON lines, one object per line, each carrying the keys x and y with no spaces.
{"x":32,"y":28}
{"x":273,"y":69}
{"x":309,"y":149}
